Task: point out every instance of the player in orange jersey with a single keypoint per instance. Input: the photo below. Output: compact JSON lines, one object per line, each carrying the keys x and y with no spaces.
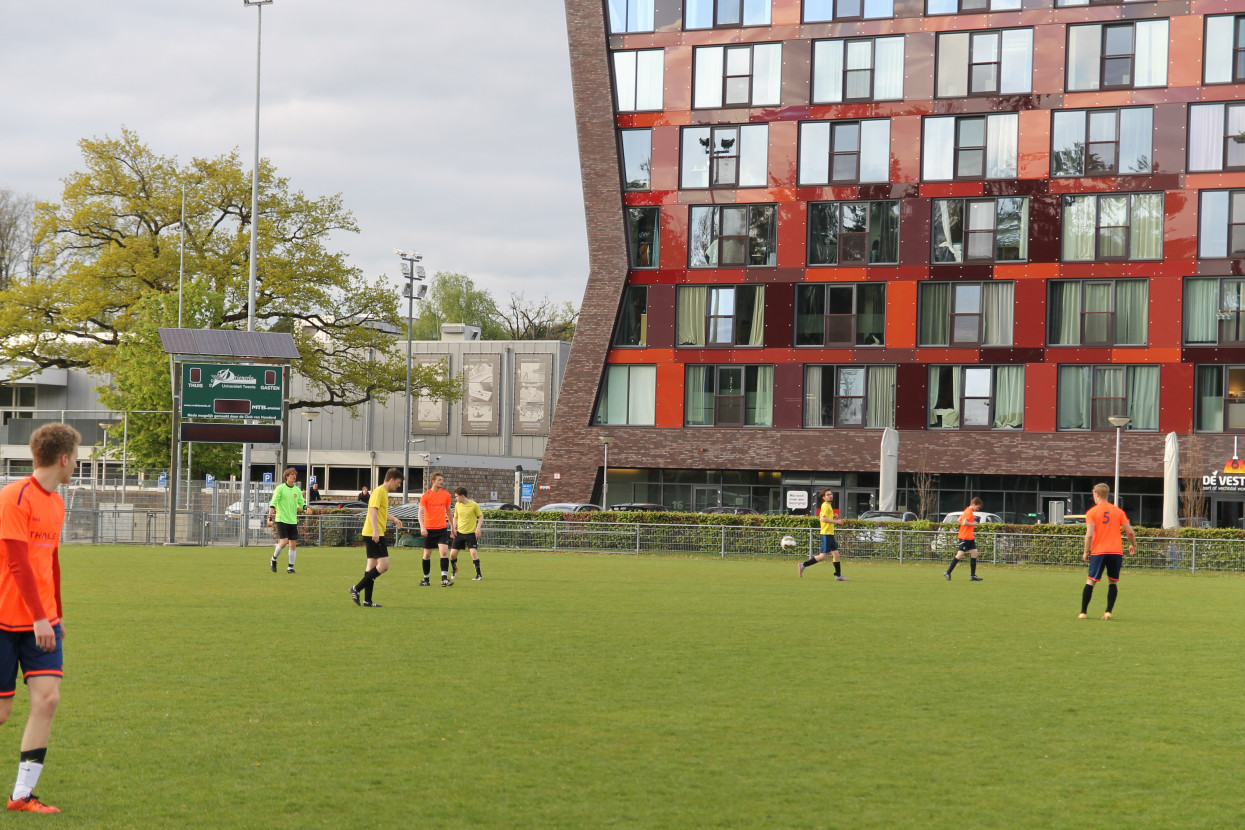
{"x":1103,"y":548}
{"x":967,"y":542}
{"x":434,"y":526}
{"x":31,"y":631}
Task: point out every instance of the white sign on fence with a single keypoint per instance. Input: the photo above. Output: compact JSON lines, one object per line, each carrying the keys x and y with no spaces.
{"x":797,"y":499}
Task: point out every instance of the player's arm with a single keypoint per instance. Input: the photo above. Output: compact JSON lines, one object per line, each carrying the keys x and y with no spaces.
{"x":56,"y":584}
{"x":1132,"y":539}
{"x":373,"y":516}
{"x":479,"y":520}
{"x":1089,"y":541}
{"x":18,"y":555}
{"x":423,"y":531}
{"x":272,"y":507}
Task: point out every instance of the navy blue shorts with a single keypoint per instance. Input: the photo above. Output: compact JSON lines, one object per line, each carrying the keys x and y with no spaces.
{"x":828,"y":543}
{"x":18,"y":648}
{"x":1110,"y":561}
{"x":966,"y":545}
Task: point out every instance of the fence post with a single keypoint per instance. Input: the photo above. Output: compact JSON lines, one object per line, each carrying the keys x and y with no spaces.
{"x":995,"y":545}
{"x":555,"y":534}
{"x":637,"y":538}
{"x":901,"y":540}
{"x":1193,"y":559}
{"x":722,"y":544}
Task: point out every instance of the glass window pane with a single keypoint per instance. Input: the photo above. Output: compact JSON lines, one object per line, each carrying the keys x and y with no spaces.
{"x":977,"y":383}
{"x":767,"y":74}
{"x":875,"y":156}
{"x":1068,"y":143}
{"x":694,"y":165}
{"x":707,"y":91}
{"x":650,"y":85}
{"x":938,"y":149}
{"x":1084,"y":47}
{"x":828,"y":71}
{"x":1136,"y":139}
{"x":637,"y":147}
{"x":976,"y":412}
{"x":888,"y":68}
{"x":815,"y":152}
{"x":624,"y":79}
{"x":952,"y":64}
{"x":967,"y":299}
{"x":753,"y":155}
{"x":1218,"y":55}
{"x":1017,"y":62}
{"x":851,"y":381}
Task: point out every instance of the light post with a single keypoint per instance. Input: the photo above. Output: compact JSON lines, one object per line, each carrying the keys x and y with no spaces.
{"x":250,"y":289}
{"x":310,"y":415}
{"x":103,"y":456}
{"x":181,"y":257}
{"x":605,"y":476}
{"x":1119,"y":422}
{"x":412,"y":272}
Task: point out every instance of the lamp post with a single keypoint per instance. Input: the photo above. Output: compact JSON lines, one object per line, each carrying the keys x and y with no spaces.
{"x":412,"y":272}
{"x":605,"y":475}
{"x":181,"y":257}
{"x":103,"y":456}
{"x":310,"y":415}
{"x":250,"y":287}
{"x":1119,"y":422}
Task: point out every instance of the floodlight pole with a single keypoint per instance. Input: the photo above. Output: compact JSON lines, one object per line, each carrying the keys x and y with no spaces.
{"x":412,"y":271}
{"x":310,"y":415}
{"x":1119,"y":422}
{"x":605,"y":474}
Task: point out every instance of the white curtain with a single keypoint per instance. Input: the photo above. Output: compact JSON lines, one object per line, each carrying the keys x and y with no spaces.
{"x":1084,"y":57}
{"x":827,"y":71}
{"x":888,"y":69}
{"x":754,"y":155}
{"x":761,"y":405}
{"x":767,"y":74}
{"x":1201,"y":310}
{"x":1132,"y":312}
{"x":707,"y":87}
{"x":812,"y":396}
{"x":1079,"y":226}
{"x":1009,"y":397}
{"x":1150,"y":48}
{"x":691,"y":307}
{"x":997,"y":305}
{"x":1220,"y":33}
{"x":1212,"y":237}
{"x":1143,"y":397}
{"x":932,"y":419}
{"x":875,"y":150}
{"x":1146,"y":231}
{"x":880,"y":397}
{"x":1205,"y":137}
{"x":1016,"y":63}
{"x":756,"y":334}
{"x":815,"y":152}
{"x":938,"y":146}
{"x":624,"y":80}
{"x":642,"y":398}
{"x":1002,"y":149}
{"x":699,"y":404}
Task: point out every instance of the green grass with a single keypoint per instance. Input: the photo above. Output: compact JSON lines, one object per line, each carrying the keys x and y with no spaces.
{"x":578,"y":691}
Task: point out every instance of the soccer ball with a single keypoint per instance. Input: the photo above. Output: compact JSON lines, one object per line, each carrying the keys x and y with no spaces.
{"x":788,"y":543}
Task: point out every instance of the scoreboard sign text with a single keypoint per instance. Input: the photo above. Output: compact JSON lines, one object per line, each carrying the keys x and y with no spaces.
{"x":232,"y":391}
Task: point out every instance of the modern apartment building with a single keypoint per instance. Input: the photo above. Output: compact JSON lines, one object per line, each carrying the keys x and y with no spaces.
{"x":993,"y":225}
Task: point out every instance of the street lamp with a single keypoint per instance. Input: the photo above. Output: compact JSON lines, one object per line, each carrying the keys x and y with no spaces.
{"x":605,"y":476}
{"x":412,"y":272}
{"x":310,"y":415}
{"x":250,"y":287}
{"x":103,"y":455}
{"x":1119,"y":422}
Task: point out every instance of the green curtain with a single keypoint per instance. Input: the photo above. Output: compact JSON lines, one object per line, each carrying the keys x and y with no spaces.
{"x":1009,"y":397}
{"x":699,"y":402}
{"x":1079,"y":227}
{"x":1065,"y":313}
{"x":998,"y":308}
{"x":1146,"y":226}
{"x":759,"y":396}
{"x":691,"y":307}
{"x":756,"y":335}
{"x":1073,"y":397}
{"x":880,"y":397}
{"x":1201,"y":310}
{"x":1132,"y":310}
{"x":1143,"y":397}
{"x":935,"y":314}
{"x":812,"y":396}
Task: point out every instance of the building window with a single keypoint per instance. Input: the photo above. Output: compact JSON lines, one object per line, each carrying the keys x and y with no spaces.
{"x":1213,"y":133}
{"x":1098,"y":312}
{"x":628,"y":396}
{"x":1221,"y":223}
{"x":1089,"y":395}
{"x":976,"y":397}
{"x":717,"y":317}
{"x":18,"y":395}
{"x":643,"y":232}
{"x":971,"y":147}
{"x":859,"y":69}
{"x":1104,"y":142}
{"x":1117,"y":55}
{"x":737,"y":76}
{"x":630,"y":16}
{"x":730,"y":396}
{"x":985,"y":63}
{"x":845,"y":152}
{"x":849,"y":396}
{"x":850,"y":314}
{"x":637,"y":158}
{"x":632,"y":328}
{"x":816,"y":11}
{"x":1224,"y":62}
{"x":638,"y":80}
{"x":1220,"y":398}
{"x":733,"y":156}
{"x":732,"y":236}
{"x":725,"y":14}
{"x":965,"y":314}
{"x":853,"y":233}
{"x":981,"y":230}
{"x":1127,"y":226}
{"x":958,"y":6}
{"x":1214,"y":311}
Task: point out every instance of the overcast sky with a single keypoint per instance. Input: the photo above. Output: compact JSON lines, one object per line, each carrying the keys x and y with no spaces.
{"x":448,"y":127}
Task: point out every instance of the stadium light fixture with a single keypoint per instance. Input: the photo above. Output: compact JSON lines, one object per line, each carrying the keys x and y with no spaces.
{"x":1119,"y":422}
{"x":412,"y":272}
{"x":310,"y":415}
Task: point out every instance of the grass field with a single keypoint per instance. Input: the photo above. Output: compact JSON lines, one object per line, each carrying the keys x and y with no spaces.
{"x":579,"y":691}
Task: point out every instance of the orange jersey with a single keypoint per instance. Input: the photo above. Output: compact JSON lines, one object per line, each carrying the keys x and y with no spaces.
{"x":436,"y":505}
{"x":30,"y":522}
{"x":1107,"y":520}
{"x":967,"y":523}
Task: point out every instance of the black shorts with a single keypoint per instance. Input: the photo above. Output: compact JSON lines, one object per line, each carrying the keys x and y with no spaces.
{"x":464,"y":541}
{"x":376,"y":550}
{"x":286,"y":531}
{"x":436,"y":536}
{"x":966,"y":545}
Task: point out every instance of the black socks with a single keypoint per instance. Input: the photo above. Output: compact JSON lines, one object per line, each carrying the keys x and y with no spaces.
{"x":954,"y":562}
{"x":1086,"y":593}
{"x":1112,"y":593}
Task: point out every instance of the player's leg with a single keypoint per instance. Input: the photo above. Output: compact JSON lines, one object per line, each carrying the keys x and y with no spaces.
{"x":1095,"y":574}
{"x":972,"y":565}
{"x":276,"y":551}
{"x":815,"y":558}
{"x":427,"y":560}
{"x":1113,"y":563}
{"x":834,"y":557}
{"x":43,"y":682}
{"x":444,"y":549}
{"x":369,"y":572}
{"x":955,"y":560}
{"x":382,"y":565}
{"x":456,"y":544}
{"x":475,"y":560}
{"x":293,"y":548}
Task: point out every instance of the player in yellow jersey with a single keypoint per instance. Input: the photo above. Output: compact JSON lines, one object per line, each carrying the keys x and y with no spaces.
{"x":374,"y":538}
{"x":829,"y":545}
{"x":468,"y":522}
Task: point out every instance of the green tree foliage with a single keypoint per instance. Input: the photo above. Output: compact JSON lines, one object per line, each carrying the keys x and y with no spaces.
{"x":454,"y":298}
{"x":104,"y":278}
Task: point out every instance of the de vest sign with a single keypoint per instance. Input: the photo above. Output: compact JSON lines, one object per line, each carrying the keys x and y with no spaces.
{"x":231,"y":391}
{"x":1231,"y":479}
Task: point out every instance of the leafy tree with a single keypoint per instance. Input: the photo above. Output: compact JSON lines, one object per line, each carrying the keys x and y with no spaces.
{"x":538,"y":320}
{"x":104,"y":278}
{"x":454,"y":298}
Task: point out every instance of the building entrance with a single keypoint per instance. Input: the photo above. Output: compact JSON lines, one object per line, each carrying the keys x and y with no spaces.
{"x":1228,"y":512}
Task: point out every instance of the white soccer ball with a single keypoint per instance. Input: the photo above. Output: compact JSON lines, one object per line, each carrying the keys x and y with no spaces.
{"x":788,"y":543}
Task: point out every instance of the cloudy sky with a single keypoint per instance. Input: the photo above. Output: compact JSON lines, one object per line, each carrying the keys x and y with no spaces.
{"x":448,"y":127}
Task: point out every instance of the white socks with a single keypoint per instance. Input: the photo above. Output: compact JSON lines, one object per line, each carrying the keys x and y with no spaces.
{"x":276,"y":551}
{"x":292,"y":555}
{"x":27,"y":779}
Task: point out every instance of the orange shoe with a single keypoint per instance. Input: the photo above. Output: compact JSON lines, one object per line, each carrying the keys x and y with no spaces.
{"x":1080,"y":616}
{"x":31,"y":804}
{"x":1107,"y":616}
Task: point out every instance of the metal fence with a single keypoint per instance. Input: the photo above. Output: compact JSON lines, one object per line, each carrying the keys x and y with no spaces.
{"x":150,"y":527}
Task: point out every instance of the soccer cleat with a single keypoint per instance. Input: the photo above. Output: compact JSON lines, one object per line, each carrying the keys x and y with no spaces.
{"x":446,"y":583}
{"x":1081,"y":616}
{"x":476,"y":578}
{"x":274,"y":564}
{"x":354,"y":594}
{"x":975,"y":578}
{"x":31,"y":804}
{"x":841,"y":579}
{"x":801,"y":570}
{"x":424,"y":582}
{"x":947,"y":575}
{"x":290,"y":570}
{"x":1107,"y":616}
{"x":367,"y":604}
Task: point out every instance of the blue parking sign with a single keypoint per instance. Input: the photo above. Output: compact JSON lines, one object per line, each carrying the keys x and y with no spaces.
{"x":526,"y":489}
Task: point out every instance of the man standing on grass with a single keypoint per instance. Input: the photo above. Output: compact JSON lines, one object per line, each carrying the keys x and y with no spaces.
{"x":1103,"y":548}
{"x":287,"y":500}
{"x":374,"y":543}
{"x":468,"y":521}
{"x":967,"y":542}
{"x":434,"y":526}
{"x":31,"y":631}
{"x":829,"y":546}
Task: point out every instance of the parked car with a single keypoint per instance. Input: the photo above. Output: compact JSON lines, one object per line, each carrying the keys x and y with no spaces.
{"x":732,"y":511}
{"x":335,"y":504}
{"x":569,"y":507}
{"x":1074,"y":518}
{"x":638,"y":506}
{"x":234,"y":510}
{"x":498,"y":505}
{"x":888,"y":516}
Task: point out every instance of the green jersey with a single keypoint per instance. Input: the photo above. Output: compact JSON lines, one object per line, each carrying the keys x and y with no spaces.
{"x":288,"y":501}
